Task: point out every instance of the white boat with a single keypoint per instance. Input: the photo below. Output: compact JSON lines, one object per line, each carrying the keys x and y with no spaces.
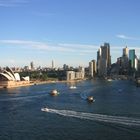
{"x":109,"y":80}
{"x":72,"y":87}
{"x":54,"y":92}
{"x":45,"y":109}
{"x":90,"y":99}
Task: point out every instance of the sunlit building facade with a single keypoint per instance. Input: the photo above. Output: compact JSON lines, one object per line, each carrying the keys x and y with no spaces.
{"x":92,"y":68}
{"x":103,"y":60}
{"x":132,"y":58}
{"x":10,"y":79}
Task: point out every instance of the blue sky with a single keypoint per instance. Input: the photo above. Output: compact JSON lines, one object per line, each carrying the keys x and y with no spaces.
{"x":66,"y":31}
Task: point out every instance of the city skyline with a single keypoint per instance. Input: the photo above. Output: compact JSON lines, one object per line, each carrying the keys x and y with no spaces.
{"x":69,"y":32}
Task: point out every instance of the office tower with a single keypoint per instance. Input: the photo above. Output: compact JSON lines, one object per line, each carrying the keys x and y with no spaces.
{"x":53,"y":64}
{"x":136,"y":63}
{"x":98,"y":59}
{"x":32,"y":65}
{"x":124,"y":59}
{"x":103,"y":60}
{"x":125,"y":51}
{"x":105,"y":54}
{"x":92,"y":68}
{"x":132,"y":58}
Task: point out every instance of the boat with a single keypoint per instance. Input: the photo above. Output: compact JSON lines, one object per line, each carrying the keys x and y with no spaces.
{"x":109,"y":79}
{"x":45,"y":109}
{"x":90,"y":99}
{"x":54,"y":92}
{"x":72,"y":87}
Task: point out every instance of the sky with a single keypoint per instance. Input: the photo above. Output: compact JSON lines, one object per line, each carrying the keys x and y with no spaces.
{"x":66,"y":31}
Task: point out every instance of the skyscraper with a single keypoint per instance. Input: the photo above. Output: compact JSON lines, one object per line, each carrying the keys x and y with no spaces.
{"x":132,"y":58}
{"x":106,"y":53}
{"x":103,"y":59}
{"x":32,"y":65}
{"x":125,"y":51}
{"x":98,"y":59}
{"x":124,"y":59}
{"x":53,"y":64}
{"x":92,"y":68}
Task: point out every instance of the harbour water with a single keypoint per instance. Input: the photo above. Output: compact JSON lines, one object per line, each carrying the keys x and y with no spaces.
{"x":115,"y":114}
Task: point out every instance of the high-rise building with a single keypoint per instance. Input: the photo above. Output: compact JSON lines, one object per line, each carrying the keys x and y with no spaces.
{"x":92,"y":68}
{"x":132,"y":58}
{"x":105,"y":54}
{"x":32,"y":65}
{"x":53,"y":64}
{"x":124,"y":59}
{"x":103,"y":59}
{"x":125,"y":51}
{"x":98,"y":59}
{"x":136,"y":63}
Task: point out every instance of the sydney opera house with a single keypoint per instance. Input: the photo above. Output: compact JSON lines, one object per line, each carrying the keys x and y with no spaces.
{"x":10,"y":79}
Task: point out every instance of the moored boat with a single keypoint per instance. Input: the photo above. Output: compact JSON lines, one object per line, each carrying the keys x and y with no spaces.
{"x":72,"y":87}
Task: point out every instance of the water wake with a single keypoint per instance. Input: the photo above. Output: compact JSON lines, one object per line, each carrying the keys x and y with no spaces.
{"x":96,"y":117}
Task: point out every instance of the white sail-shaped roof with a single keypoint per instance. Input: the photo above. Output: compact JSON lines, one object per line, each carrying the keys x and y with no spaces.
{"x":7,"y":76}
{"x":11,"y":75}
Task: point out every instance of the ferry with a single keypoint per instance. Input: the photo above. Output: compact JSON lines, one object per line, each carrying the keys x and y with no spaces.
{"x":90,"y":99}
{"x":54,"y":92}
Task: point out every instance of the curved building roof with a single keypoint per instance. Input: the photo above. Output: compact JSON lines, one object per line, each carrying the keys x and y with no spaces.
{"x":6,"y":76}
{"x":9,"y":75}
{"x":10,"y":70}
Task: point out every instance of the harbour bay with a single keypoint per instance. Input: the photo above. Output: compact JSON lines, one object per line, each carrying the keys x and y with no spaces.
{"x":115,"y":114}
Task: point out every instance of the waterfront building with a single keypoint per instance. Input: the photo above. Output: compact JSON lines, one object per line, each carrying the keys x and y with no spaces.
{"x":70,"y":75}
{"x":132,"y":58}
{"x":98,"y":59}
{"x":81,"y":70}
{"x":105,"y":54}
{"x":136,"y":63}
{"x":124,"y":61}
{"x":10,"y":79}
{"x":75,"y":75}
{"x":92,"y":68}
{"x":103,"y":60}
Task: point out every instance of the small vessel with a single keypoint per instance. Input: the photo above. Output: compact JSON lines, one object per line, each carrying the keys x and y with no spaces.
{"x":109,"y":79}
{"x":90,"y":99}
{"x":45,"y":109}
{"x":72,"y":87}
{"x":54,"y":92}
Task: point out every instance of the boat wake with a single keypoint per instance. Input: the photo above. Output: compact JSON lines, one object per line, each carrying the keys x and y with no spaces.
{"x":95,"y":117}
{"x":85,"y":94}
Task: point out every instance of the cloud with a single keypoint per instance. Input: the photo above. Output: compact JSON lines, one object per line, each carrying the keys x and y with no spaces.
{"x":121,"y":36}
{"x":12,"y":3}
{"x":43,"y":46}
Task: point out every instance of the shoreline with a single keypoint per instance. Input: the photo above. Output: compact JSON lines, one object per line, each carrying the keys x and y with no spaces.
{"x":31,"y":83}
